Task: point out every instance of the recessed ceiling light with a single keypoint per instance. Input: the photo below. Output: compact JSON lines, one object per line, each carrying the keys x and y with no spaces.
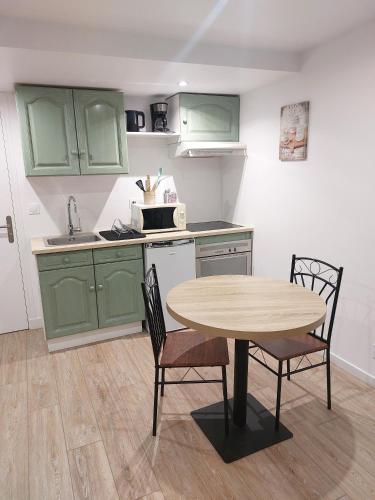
{"x":182,"y":83}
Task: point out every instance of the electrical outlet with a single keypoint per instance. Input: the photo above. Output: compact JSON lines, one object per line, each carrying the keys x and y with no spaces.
{"x":132,"y":201}
{"x":373,"y":351}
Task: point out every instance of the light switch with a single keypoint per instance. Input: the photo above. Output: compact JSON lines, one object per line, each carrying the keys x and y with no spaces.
{"x":34,"y":209}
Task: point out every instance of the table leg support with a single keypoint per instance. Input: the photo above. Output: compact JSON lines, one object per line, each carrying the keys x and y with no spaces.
{"x":252,"y":426}
{"x":241,"y":363}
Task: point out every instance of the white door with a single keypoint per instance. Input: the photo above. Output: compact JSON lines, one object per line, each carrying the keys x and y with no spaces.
{"x":13,"y":315}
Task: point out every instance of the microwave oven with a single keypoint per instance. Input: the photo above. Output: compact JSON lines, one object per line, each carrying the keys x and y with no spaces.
{"x":158,"y":218}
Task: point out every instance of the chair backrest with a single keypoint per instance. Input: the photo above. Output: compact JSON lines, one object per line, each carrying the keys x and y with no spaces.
{"x":154,"y":311}
{"x":324,"y":279}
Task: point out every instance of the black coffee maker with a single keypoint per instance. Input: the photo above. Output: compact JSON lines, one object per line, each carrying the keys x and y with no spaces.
{"x":159,"y":116}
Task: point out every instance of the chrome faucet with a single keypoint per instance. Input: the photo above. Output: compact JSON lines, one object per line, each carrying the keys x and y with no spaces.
{"x":71,"y":227}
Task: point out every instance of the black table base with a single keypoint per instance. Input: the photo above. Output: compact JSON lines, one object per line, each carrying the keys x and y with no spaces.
{"x":258,"y":432}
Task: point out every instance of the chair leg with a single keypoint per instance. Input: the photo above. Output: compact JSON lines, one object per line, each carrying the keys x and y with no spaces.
{"x":156,"y":390}
{"x":225,"y":395}
{"x":328,"y":379}
{"x":162,"y":382}
{"x":288,"y":368}
{"x":278,"y":398}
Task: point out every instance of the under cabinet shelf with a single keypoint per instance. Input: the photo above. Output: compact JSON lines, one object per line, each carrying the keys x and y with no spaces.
{"x":153,"y":135}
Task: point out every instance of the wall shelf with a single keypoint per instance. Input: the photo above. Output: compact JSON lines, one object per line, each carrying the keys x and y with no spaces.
{"x":153,"y":135}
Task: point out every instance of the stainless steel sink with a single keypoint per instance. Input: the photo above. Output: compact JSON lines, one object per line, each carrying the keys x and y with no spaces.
{"x":72,"y":240}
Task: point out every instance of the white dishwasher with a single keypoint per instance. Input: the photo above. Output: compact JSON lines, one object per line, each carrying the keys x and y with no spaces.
{"x":175,"y":263}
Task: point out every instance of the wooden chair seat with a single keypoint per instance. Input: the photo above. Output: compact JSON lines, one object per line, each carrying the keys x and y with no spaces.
{"x":190,"y":348}
{"x":288,"y":348}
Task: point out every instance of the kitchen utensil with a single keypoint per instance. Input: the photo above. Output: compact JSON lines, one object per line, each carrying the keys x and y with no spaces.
{"x":132,"y":120}
{"x":139,"y":183}
{"x":148,"y":183}
{"x":157,"y":182}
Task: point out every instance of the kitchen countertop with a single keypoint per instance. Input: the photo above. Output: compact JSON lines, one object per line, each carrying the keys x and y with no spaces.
{"x":38,"y":245}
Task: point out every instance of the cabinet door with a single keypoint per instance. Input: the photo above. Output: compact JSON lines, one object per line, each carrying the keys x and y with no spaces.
{"x":209,"y":117}
{"x":69,"y":301}
{"x":119,"y":292}
{"x":49,"y":139}
{"x":101,"y":132}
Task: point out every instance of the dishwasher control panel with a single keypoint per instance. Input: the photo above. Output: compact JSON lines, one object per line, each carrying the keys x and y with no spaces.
{"x":223,"y":248}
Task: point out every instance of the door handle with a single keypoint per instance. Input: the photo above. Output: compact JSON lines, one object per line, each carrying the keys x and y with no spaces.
{"x":9,"y":228}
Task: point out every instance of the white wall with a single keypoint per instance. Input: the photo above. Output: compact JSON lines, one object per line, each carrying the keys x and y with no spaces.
{"x":100,"y":198}
{"x":325,"y":206}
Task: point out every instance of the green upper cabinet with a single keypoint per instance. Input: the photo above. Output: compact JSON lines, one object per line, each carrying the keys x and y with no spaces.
{"x":72,"y":132}
{"x":205,"y":117}
{"x":101,"y":131}
{"x":119,"y":292}
{"x":69,"y":301}
{"x":49,"y":137}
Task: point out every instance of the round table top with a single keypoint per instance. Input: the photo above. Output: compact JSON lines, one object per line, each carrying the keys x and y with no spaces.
{"x":246,"y":307}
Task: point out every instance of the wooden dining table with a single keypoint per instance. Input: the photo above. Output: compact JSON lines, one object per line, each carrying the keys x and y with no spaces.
{"x":245,"y":308}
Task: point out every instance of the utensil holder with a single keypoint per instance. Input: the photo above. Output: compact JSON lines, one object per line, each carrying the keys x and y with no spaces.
{"x":149,"y":197}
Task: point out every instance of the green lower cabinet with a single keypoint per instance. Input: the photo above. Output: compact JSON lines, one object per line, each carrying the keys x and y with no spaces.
{"x":119,"y":293}
{"x":69,"y":301}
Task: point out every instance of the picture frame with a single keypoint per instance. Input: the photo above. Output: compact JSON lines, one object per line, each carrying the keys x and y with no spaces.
{"x":294,"y":128}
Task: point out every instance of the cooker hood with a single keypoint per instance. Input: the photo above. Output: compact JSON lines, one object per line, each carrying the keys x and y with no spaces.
{"x":201,"y":149}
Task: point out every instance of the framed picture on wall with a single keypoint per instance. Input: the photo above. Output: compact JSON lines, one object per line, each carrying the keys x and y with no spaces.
{"x":294,"y":126}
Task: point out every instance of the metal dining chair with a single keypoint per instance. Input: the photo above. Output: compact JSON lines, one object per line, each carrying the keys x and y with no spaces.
{"x":181,"y":349}
{"x":324,"y":279}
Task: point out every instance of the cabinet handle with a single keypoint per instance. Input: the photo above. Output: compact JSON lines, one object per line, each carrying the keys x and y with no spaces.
{"x":74,"y":152}
{"x":91,"y":288}
{"x":66,"y":260}
{"x":81,"y":152}
{"x":100,"y":287}
{"x":184,"y":122}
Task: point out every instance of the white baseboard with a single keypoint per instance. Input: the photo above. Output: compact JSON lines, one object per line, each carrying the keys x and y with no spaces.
{"x":354,"y":370}
{"x":93,"y":336}
{"x":35,"y":323}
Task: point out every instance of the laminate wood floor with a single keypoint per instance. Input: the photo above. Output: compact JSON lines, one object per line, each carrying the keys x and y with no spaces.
{"x":77,"y":425}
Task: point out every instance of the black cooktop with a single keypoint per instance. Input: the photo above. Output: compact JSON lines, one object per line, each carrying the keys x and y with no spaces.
{"x":212,"y":225}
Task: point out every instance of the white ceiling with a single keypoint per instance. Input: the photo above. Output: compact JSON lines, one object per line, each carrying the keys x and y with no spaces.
{"x":146,"y":46}
{"x":133,"y":76}
{"x":294,"y":25}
